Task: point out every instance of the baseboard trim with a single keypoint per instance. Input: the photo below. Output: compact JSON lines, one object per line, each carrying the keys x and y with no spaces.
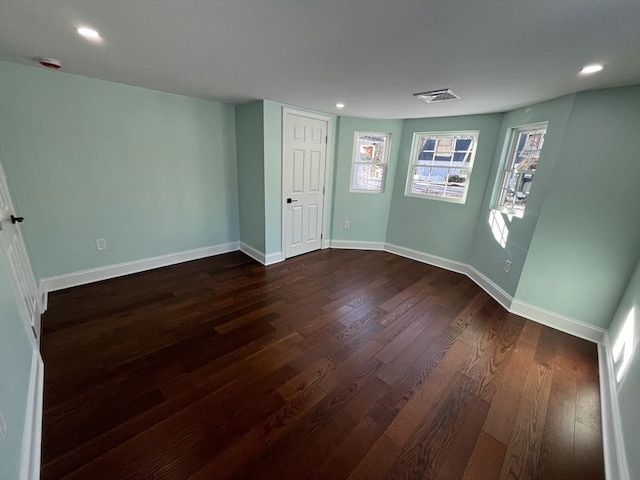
{"x":427,"y":258}
{"x":74,"y":279}
{"x":559,"y":322}
{"x":355,"y":245}
{"x":261,"y":257}
{"x":273,"y":258}
{"x":615,"y":457}
{"x":498,"y":294}
{"x":257,"y":255}
{"x":32,"y":437}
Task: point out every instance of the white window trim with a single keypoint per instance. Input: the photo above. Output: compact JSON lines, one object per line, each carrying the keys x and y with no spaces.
{"x":508,"y":150}
{"x":385,"y":161}
{"x":412,"y":164}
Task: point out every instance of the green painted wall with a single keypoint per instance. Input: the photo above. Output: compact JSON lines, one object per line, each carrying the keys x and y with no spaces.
{"x":15,"y":365}
{"x":367,"y":212}
{"x":629,"y":386}
{"x":432,"y":226}
{"x":251,"y":168}
{"x":587,"y":238}
{"x":273,"y":176}
{"x":152,"y":173}
{"x":487,"y":255}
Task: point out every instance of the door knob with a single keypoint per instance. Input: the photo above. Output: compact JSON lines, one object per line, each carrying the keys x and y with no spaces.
{"x":290,"y":200}
{"x":15,"y":219}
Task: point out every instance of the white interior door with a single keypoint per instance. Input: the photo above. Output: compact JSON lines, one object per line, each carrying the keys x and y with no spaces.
{"x":303,"y":170}
{"x":11,"y":241}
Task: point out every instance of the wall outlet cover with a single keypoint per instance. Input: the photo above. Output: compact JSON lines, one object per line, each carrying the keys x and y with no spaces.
{"x":101,"y":244}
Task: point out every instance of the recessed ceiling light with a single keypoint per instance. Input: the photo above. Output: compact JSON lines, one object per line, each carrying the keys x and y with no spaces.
{"x":339,"y":105}
{"x":89,"y":33}
{"x":596,"y":67}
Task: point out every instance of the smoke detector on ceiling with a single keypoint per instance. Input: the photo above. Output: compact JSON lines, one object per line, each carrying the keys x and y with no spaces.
{"x":437,"y":95}
{"x":50,"y":63}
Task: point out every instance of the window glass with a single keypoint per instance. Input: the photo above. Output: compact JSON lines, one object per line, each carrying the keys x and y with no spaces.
{"x":441,"y":165}
{"x":369,"y":166}
{"x":522,"y":156}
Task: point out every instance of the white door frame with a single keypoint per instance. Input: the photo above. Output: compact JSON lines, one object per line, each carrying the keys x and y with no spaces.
{"x":328,"y":169}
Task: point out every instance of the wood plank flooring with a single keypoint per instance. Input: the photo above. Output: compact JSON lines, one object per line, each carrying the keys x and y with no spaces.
{"x":332,"y":365}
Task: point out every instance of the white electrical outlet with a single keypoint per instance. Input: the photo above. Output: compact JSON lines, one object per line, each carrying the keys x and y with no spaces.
{"x":347,"y":224}
{"x":507,"y":266}
{"x":101,"y":244}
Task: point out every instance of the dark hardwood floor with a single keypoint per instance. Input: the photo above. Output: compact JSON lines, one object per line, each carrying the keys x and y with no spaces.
{"x":336,"y":364}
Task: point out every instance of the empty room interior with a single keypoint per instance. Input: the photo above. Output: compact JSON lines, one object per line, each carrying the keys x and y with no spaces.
{"x":284,"y":239}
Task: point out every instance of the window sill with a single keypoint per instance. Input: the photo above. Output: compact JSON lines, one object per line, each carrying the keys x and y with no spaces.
{"x":459,"y":201}
{"x":365,"y":191}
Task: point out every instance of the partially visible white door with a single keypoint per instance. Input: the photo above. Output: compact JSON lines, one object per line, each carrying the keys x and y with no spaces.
{"x":305,"y":155}
{"x":11,"y":241}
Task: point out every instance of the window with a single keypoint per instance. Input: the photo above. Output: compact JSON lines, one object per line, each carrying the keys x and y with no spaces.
{"x":525,"y":145}
{"x":370,"y":153}
{"x":441,"y":165}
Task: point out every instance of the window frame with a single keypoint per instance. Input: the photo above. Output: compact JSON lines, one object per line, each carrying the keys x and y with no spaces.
{"x":355,"y":160}
{"x":507,"y":166}
{"x":413,"y":164}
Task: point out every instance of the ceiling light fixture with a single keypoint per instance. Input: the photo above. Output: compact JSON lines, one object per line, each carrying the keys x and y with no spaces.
{"x":588,"y":69}
{"x":339,"y":105}
{"x":89,"y":33}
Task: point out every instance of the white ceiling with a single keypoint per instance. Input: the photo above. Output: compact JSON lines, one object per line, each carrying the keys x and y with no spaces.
{"x":371,"y":55}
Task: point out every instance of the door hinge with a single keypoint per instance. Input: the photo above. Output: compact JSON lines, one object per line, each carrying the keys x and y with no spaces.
{"x":326,"y":139}
{"x":321,"y":236}
{"x":323,"y":190}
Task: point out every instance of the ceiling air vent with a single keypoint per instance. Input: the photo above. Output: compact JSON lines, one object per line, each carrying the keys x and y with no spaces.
{"x":437,"y":95}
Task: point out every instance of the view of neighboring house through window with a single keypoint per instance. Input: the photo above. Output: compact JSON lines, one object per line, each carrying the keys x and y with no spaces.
{"x":441,"y":164}
{"x":521,"y":161}
{"x":370,"y":155}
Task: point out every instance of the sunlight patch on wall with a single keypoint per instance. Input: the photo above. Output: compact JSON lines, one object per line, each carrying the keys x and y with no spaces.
{"x":499,"y":228}
{"x":624,"y":345}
